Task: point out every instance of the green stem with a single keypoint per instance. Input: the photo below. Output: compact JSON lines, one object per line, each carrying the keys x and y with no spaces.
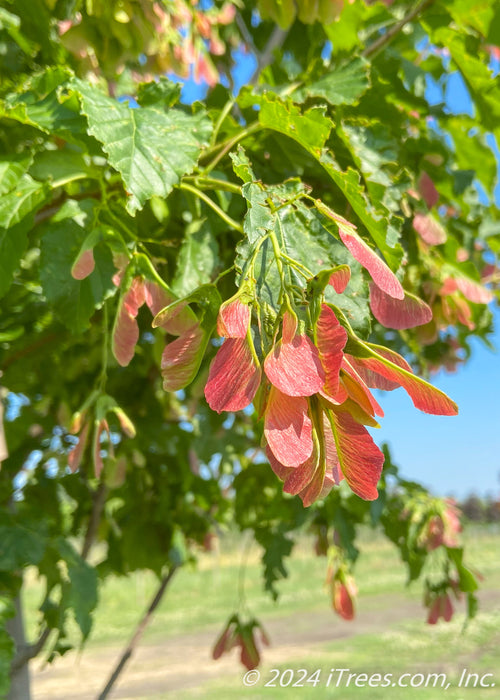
{"x":104,"y":369}
{"x":161,"y":282}
{"x":252,"y":347}
{"x":223,"y":274}
{"x":222,"y":116}
{"x":302,"y":269}
{"x":227,"y":145}
{"x":201,"y":195}
{"x":213,"y":183}
{"x":121,"y":224}
{"x":279,"y":264}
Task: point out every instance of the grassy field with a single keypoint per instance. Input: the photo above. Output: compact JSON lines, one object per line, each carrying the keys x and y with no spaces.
{"x":202,"y":599}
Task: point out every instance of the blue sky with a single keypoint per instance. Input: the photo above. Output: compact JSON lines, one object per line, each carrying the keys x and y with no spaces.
{"x":461,"y":454}
{"x":450,"y":455}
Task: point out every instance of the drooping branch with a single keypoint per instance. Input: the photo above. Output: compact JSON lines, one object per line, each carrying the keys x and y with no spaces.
{"x":139,"y":631}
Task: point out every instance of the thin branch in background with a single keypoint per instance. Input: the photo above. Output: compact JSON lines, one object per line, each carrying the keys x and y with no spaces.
{"x":384,"y":39}
{"x":275,"y":42}
{"x":99,"y":499}
{"x":139,"y":631}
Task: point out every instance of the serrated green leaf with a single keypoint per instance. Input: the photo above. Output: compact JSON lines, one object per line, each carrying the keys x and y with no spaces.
{"x":241,"y":165}
{"x":343,"y":85}
{"x":74,"y":301}
{"x":150,"y":149}
{"x":306,"y":237}
{"x":310,"y":129}
{"x":197,"y":259}
{"x":276,"y":546}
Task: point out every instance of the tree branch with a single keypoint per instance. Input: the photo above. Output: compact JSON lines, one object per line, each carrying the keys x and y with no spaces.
{"x":139,"y":631}
{"x":384,"y":39}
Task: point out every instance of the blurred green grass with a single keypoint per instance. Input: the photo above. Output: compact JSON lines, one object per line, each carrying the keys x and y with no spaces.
{"x":205,"y":596}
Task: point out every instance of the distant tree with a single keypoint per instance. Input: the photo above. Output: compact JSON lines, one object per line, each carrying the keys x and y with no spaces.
{"x":473,"y":508}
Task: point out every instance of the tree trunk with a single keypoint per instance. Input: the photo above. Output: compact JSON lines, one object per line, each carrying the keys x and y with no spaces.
{"x":20,"y":680}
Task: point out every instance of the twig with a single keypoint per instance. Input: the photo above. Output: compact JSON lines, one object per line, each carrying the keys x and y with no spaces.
{"x":99,"y":499}
{"x":30,"y":651}
{"x":30,"y":349}
{"x":384,"y":39}
{"x":225,"y":217}
{"x":276,"y":41}
{"x":139,"y":631}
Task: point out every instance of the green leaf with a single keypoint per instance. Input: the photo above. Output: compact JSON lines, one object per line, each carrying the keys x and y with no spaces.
{"x":372,"y":148}
{"x":472,"y":13}
{"x":151,"y":149}
{"x":310,"y":129}
{"x":306,"y":236}
{"x":344,"y":85}
{"x":241,"y":165}
{"x":494,"y":28}
{"x":483,"y":86}
{"x":197,"y":259}
{"x":16,"y":218}
{"x":60,"y":167}
{"x":80,"y":592}
{"x":21,"y":544}
{"x":27,"y":196}
{"x":276,"y":546}
{"x":160,"y":93}
{"x":11,"y":169}
{"x":74,"y":301}
{"x":13,"y":243}
{"x":466,"y":578}
{"x":376,"y":224}
{"x":258,"y":219}
{"x":471,"y":152}
{"x":49,"y":107}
